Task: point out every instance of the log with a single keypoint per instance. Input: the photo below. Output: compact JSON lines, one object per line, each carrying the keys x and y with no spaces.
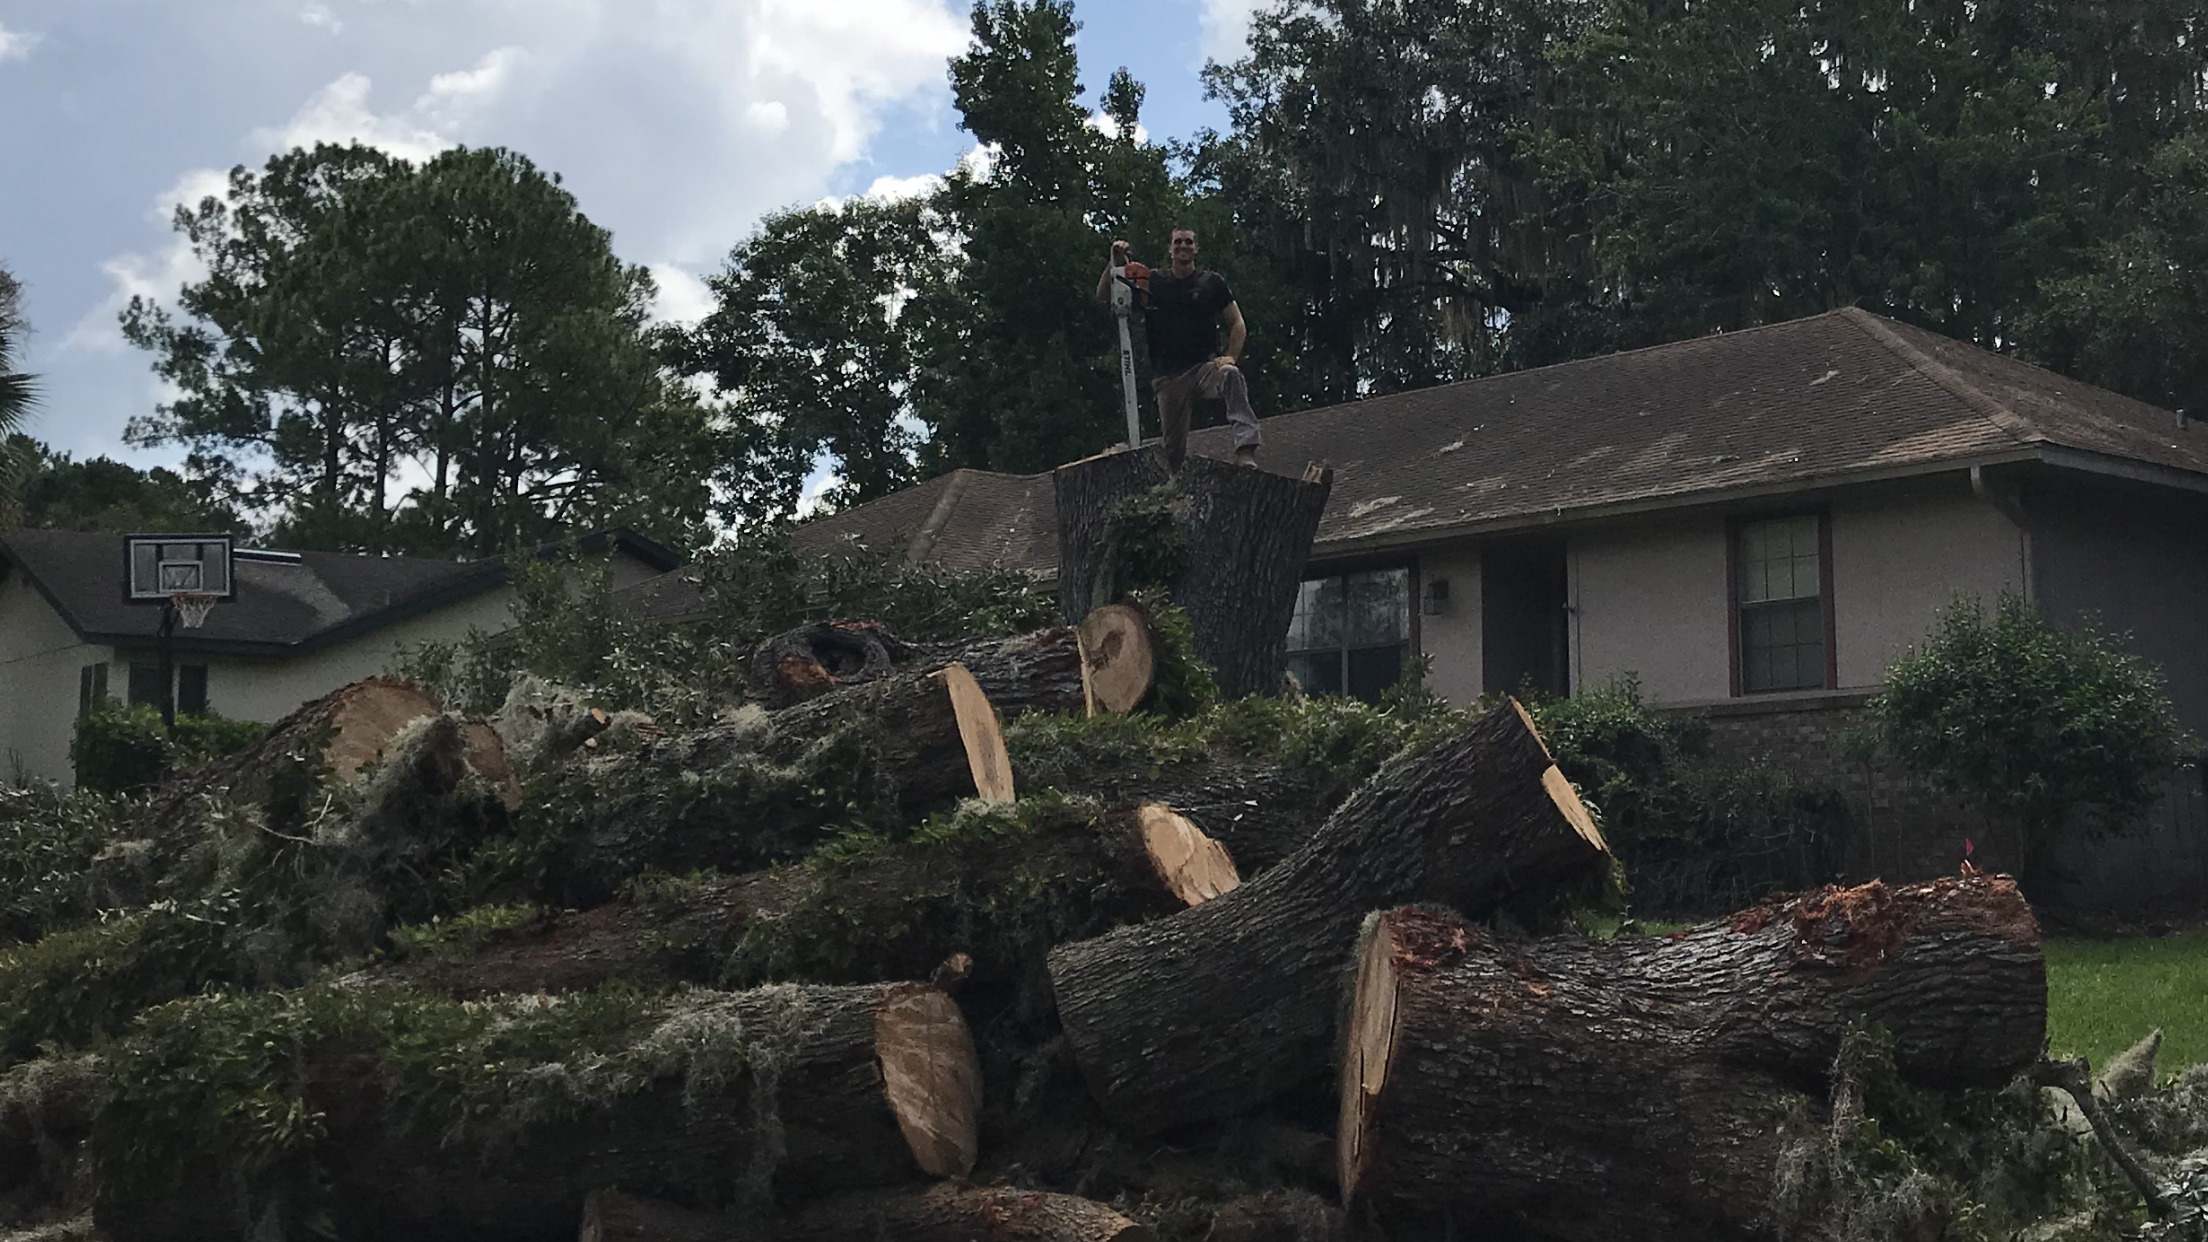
{"x":1228,"y":543}
{"x":331,"y":738}
{"x":1258,"y":812}
{"x":947,"y":1213}
{"x":1214,"y":1011}
{"x":611,"y":1216}
{"x":813,"y":659}
{"x":824,"y":1089}
{"x":1119,"y":658}
{"x":1637,"y":1087}
{"x":763,"y":788}
{"x":895,"y":913}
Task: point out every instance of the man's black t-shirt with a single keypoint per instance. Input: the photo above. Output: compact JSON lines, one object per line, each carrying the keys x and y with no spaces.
{"x":1183,"y":318}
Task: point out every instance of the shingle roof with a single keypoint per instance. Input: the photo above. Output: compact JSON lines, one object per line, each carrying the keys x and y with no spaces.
{"x":284,"y":603}
{"x":1831,"y":398}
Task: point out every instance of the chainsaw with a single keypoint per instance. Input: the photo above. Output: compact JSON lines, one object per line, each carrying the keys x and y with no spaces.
{"x":1130,"y":289}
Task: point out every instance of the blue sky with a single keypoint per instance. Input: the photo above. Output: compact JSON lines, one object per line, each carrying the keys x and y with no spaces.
{"x":677,"y":123}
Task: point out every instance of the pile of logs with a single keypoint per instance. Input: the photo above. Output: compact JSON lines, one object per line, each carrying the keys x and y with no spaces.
{"x":1376,"y":993}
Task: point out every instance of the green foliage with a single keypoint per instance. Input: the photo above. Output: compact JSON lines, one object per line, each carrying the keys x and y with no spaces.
{"x":463,"y":933}
{"x":2034,"y":725}
{"x":1696,"y":835}
{"x":573,"y":630}
{"x":77,"y":986}
{"x":1182,"y":683}
{"x":100,"y":493}
{"x":119,"y":749}
{"x":358,"y":311}
{"x":47,"y":842}
{"x":18,"y":391}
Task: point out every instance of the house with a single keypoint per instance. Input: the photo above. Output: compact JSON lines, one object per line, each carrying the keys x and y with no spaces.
{"x":303,"y":624}
{"x":1754,"y":523}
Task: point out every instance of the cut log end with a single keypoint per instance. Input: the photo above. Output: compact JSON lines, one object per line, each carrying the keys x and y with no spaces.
{"x":1575,"y":812}
{"x":1365,"y":1055}
{"x":1119,"y":662}
{"x":983,"y":735}
{"x":1193,"y":867}
{"x":365,"y":716}
{"x":932,"y":1078}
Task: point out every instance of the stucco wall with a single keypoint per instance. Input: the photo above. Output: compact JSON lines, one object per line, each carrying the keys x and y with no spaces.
{"x":39,"y":661}
{"x":1899,"y":555}
{"x":2137,"y":559}
{"x":1648,"y":597}
{"x":1451,"y":639}
{"x":268,"y":689}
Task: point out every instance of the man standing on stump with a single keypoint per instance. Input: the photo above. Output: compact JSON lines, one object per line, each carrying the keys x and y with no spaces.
{"x":1182,"y":310}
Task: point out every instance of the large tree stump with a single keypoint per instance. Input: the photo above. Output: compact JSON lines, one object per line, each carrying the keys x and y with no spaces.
{"x":947,"y":1213}
{"x":1638,"y":1087}
{"x":1216,"y":1010}
{"x":894,"y":913}
{"x":830,"y":1089}
{"x":1228,"y":542}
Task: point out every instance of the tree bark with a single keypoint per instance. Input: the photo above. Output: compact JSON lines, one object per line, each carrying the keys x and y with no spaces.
{"x":893,"y":913}
{"x":811,"y":660}
{"x":334,"y":736}
{"x":1260,"y":813}
{"x":1639,"y":1087}
{"x":1218,"y":1009}
{"x":610,"y":1216}
{"x":833,"y":1089}
{"x":1238,"y":542}
{"x":948,"y":1213}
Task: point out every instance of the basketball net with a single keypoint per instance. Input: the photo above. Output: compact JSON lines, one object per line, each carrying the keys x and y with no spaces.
{"x":192,"y":607}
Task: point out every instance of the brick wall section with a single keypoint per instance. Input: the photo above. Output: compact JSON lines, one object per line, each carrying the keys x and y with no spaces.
{"x":1906,"y":831}
{"x":1903,"y":830}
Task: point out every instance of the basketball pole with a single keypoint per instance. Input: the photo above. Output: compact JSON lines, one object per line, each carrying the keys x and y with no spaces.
{"x":168,"y":667}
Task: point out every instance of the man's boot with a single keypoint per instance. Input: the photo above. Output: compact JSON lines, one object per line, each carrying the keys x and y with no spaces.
{"x":1246,"y":455}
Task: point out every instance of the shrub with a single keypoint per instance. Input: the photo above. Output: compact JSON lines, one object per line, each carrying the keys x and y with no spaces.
{"x":118,"y":748}
{"x":2030,"y":724}
{"x":47,"y":842}
{"x":1697,"y":835}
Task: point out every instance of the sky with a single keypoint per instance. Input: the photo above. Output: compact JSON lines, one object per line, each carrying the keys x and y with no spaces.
{"x":676,"y":123}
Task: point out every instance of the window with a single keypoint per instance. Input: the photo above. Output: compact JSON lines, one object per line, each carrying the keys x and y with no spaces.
{"x":1351,"y":633}
{"x":91,"y":689}
{"x":191,"y":689}
{"x":1780,"y":618}
{"x":145,"y":685}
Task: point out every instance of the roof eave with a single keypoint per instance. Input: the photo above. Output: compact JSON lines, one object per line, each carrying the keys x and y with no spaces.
{"x":2086,"y":461}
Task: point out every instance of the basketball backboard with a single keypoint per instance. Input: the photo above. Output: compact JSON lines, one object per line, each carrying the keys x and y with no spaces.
{"x":157,"y":568}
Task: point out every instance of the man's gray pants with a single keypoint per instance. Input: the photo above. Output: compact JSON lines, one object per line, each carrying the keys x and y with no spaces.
{"x":1210,"y":378}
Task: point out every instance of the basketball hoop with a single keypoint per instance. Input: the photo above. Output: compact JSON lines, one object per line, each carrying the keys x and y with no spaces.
{"x":192,"y":607}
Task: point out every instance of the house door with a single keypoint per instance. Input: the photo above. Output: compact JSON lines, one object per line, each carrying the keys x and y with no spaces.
{"x":1524,"y":641}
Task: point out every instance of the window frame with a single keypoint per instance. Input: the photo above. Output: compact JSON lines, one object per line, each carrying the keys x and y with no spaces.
{"x":1413,"y":639}
{"x":1735,"y":528}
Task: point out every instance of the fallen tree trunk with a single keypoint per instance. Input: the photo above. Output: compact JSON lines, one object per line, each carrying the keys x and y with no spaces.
{"x":1639,"y":1087}
{"x":729,"y":1098}
{"x":1259,"y":812}
{"x":814,"y":659}
{"x":1228,"y":543}
{"x":331,"y":738}
{"x":895,"y":912}
{"x":1107,"y":663}
{"x":762,"y":789}
{"x":947,"y":1213}
{"x":1216,"y":1010}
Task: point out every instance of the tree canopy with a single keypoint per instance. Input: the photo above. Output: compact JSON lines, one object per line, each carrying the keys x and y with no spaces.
{"x":17,"y":391}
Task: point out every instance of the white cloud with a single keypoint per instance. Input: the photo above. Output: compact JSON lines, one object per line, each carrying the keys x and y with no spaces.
{"x":340,"y":113}
{"x":1102,"y":123}
{"x":1223,"y":29}
{"x":768,"y":116}
{"x":461,"y":96}
{"x":156,"y":276}
{"x":894,"y":189}
{"x":17,"y":44}
{"x":682,"y":297}
{"x":320,"y":17}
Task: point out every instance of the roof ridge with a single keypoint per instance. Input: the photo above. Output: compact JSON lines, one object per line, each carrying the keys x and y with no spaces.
{"x":1567,"y":363}
{"x":2004,"y":419}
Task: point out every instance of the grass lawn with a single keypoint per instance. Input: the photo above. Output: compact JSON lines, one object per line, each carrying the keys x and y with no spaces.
{"x":2102,"y":995}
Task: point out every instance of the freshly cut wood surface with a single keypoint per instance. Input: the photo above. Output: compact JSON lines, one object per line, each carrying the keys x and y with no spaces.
{"x":1215,"y":1011}
{"x":1643,"y":1087}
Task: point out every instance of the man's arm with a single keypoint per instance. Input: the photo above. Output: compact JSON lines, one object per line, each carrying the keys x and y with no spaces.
{"x":1237,"y":331}
{"x":1104,"y":282}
